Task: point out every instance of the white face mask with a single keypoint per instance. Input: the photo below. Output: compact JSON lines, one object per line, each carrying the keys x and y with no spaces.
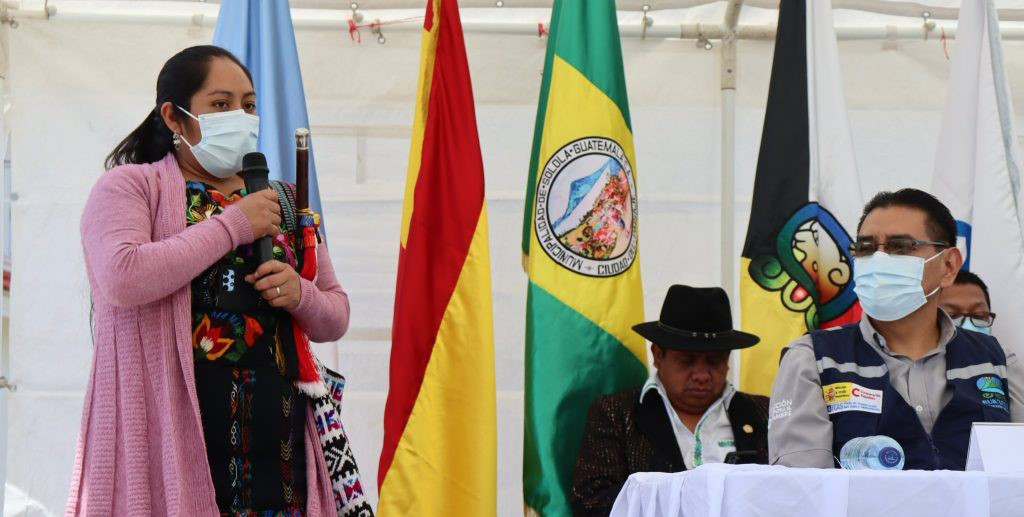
{"x":227,"y":137}
{"x":889,"y":286}
{"x":966,"y":323}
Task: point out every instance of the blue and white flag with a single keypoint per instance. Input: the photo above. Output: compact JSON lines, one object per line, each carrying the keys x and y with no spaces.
{"x":260,"y":34}
{"x":978,"y":167}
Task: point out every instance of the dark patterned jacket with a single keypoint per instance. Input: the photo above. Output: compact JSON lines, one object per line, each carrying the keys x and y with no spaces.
{"x":624,"y":435}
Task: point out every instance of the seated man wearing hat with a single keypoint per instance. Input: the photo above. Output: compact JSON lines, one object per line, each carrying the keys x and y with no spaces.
{"x":686,"y":415}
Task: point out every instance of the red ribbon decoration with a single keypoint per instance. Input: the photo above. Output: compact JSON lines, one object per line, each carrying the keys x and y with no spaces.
{"x":353,"y":31}
{"x":945,"y":44}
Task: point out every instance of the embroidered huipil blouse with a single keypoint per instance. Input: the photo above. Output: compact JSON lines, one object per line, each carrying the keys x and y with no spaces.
{"x":252,"y":423}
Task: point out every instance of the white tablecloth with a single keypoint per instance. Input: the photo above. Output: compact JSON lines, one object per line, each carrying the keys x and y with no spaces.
{"x":718,"y":490}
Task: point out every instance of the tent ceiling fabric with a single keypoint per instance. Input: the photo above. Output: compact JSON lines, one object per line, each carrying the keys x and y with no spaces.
{"x":910,"y":8}
{"x":1009,"y":10}
{"x":938,"y":8}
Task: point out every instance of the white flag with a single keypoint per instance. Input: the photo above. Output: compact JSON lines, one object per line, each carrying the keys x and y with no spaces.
{"x":978,"y":167}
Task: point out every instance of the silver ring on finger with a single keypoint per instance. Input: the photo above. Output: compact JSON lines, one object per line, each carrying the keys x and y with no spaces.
{"x":278,"y":290}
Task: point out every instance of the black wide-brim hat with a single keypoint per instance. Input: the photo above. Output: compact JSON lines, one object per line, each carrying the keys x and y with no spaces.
{"x":695,"y":319}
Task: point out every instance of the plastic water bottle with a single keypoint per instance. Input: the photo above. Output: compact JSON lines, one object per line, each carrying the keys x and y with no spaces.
{"x":871,"y":452}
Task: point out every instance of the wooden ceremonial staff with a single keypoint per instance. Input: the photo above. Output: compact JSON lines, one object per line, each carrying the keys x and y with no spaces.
{"x":301,"y":169}
{"x":306,"y":242}
{"x":307,"y":271}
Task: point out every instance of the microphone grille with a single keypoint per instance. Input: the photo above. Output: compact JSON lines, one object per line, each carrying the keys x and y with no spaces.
{"x":254,"y":159}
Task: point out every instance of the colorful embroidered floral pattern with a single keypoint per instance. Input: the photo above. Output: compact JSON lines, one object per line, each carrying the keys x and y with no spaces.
{"x":222,"y":335}
{"x":208,"y":339}
{"x":219,"y":334}
{"x":252,"y":424}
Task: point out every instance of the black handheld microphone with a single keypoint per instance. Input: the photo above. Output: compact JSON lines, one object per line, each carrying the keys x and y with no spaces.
{"x":256,"y":176}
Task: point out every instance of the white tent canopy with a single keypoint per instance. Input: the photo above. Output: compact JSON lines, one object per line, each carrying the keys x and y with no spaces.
{"x":686,"y":19}
{"x":80,"y":75}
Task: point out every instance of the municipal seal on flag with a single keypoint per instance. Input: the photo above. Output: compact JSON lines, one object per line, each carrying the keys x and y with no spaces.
{"x":586,"y":208}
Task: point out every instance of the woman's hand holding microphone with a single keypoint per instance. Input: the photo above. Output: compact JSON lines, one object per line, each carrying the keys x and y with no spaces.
{"x":276,"y":281}
{"x":263,"y":212}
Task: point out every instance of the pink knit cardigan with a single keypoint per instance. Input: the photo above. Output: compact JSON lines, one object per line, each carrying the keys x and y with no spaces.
{"x":141,"y":450}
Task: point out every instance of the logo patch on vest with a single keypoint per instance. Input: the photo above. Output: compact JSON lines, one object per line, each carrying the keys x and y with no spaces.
{"x":847,"y":396}
{"x":992,"y":394}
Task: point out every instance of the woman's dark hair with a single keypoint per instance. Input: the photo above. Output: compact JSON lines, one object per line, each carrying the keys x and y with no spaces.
{"x":182,"y":75}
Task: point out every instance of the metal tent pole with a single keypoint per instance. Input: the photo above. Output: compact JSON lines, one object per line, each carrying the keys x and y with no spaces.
{"x":205,"y":15}
{"x":728,"y":205}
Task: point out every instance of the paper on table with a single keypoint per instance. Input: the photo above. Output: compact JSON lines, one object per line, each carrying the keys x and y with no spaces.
{"x":995,"y":448}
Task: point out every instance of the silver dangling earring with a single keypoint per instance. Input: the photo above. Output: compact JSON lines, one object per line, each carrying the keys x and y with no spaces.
{"x":176,"y":140}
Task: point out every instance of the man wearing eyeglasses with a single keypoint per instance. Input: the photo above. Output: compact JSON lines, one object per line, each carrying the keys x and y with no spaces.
{"x":905,"y":370}
{"x":968,"y":304}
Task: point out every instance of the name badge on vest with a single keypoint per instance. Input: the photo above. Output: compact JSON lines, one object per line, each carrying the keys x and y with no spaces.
{"x":847,"y":396}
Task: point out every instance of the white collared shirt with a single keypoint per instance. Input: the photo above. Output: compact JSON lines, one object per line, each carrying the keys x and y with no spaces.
{"x":712,"y":439}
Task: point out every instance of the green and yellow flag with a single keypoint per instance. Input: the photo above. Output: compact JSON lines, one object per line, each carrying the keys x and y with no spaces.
{"x":580,"y":241}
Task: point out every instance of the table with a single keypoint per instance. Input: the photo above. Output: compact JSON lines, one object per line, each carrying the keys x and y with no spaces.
{"x":719,"y":490}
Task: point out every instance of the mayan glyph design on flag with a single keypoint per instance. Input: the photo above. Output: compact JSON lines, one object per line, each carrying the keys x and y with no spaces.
{"x":580,"y":240}
{"x":810,"y":267}
{"x":796,"y":272}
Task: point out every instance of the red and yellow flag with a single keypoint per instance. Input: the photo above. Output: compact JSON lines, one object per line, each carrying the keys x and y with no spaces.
{"x":440,"y":439}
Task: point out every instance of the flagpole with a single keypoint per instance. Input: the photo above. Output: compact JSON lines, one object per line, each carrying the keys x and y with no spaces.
{"x":728,"y":205}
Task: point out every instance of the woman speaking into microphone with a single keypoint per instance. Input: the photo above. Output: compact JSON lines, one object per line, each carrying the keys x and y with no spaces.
{"x":192,"y":407}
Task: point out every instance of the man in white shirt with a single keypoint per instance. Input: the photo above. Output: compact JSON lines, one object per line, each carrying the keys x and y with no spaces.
{"x":687,"y":413}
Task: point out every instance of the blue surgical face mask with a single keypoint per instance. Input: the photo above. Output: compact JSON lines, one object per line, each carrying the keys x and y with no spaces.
{"x":889,"y":286}
{"x":227,"y":137}
{"x":969,"y":325}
